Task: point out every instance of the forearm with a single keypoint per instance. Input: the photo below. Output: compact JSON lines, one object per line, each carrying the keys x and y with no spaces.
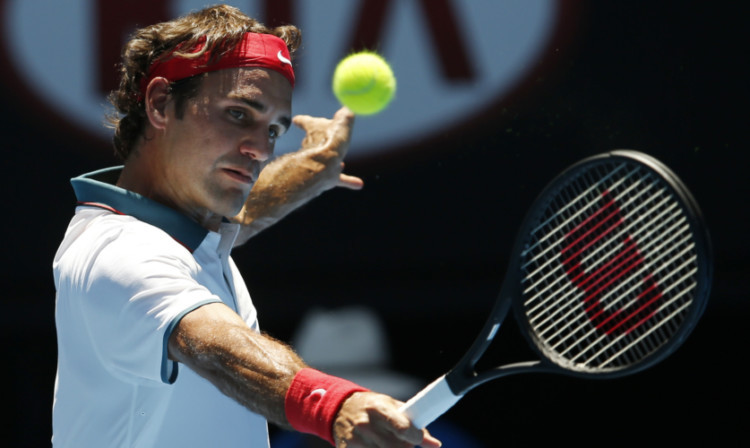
{"x":253,"y":369}
{"x":283,"y":186}
{"x":293,"y":179}
{"x":268,"y":378}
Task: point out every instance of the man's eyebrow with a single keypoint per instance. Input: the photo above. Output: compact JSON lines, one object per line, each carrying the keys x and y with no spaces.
{"x":284,"y":121}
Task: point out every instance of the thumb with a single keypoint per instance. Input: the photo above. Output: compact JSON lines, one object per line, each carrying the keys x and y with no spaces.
{"x":350,"y":182}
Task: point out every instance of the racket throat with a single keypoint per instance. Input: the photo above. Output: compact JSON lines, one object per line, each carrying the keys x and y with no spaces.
{"x":461,"y":382}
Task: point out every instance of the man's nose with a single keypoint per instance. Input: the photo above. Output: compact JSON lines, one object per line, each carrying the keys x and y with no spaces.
{"x":257,"y":149}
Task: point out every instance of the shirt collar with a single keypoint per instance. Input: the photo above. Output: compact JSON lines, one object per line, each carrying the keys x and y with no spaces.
{"x":98,"y":189}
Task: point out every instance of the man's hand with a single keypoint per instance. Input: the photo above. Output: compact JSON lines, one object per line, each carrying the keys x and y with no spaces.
{"x":368,"y":419}
{"x":294,"y":179}
{"x":325,"y":139}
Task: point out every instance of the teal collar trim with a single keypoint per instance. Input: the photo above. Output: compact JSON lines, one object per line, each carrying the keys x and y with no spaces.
{"x":98,"y":189}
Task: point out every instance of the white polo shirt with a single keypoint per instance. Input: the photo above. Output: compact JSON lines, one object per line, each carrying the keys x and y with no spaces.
{"x":127,"y":270}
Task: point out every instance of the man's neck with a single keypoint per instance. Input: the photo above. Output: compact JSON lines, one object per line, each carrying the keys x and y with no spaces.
{"x":142,"y":175}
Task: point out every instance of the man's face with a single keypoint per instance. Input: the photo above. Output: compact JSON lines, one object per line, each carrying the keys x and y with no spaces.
{"x":213,"y":154}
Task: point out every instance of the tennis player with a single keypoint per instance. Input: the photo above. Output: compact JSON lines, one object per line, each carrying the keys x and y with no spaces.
{"x":159,"y":343}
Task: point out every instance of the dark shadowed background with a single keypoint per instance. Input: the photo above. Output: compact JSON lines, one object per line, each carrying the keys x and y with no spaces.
{"x":424,"y":244}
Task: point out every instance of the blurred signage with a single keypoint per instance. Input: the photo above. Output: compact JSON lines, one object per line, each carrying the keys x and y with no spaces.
{"x":453,"y":58}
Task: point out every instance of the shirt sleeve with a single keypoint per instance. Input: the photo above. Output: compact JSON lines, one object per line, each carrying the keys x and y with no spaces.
{"x":139,"y":284}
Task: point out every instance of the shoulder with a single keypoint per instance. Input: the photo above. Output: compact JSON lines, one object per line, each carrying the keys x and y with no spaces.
{"x":101,"y":241}
{"x":126,"y":231}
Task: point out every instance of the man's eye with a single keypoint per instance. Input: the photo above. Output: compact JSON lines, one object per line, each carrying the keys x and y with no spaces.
{"x":273,"y":133}
{"x":237,"y":114}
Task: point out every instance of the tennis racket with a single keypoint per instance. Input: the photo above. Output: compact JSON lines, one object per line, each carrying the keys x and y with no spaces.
{"x":609,"y":274}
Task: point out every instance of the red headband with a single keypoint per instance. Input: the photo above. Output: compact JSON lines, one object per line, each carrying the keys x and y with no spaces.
{"x":254,"y":50}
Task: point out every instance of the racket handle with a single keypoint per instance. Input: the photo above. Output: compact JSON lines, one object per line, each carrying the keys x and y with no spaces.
{"x":430,"y":403}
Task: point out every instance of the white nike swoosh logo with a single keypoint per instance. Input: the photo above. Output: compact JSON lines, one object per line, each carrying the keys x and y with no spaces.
{"x":284,"y":60}
{"x":320,"y":392}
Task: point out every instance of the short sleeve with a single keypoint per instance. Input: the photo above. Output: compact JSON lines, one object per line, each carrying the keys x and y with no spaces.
{"x":138,"y":284}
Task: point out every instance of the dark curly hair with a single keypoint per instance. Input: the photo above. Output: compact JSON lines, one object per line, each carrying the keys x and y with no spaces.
{"x":222,"y":27}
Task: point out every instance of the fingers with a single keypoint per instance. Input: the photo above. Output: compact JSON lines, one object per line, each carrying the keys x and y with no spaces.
{"x":324,"y":147}
{"x":344,"y":115}
{"x":315,"y":130}
{"x":373,"y":420}
{"x":341,"y":131}
{"x":306,"y":121}
{"x":409,"y":434}
{"x":404,"y":433}
{"x":334,"y":133}
{"x":404,"y":430}
{"x":429,"y":441}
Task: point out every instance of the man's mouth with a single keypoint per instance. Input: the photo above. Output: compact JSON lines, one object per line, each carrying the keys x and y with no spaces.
{"x":240,"y":175}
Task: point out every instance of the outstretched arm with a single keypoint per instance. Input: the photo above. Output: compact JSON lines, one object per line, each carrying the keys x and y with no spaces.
{"x":294,"y":179}
{"x":258,"y":371}
{"x":252,"y":368}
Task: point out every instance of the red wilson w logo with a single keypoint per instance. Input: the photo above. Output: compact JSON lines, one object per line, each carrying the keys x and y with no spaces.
{"x":615,"y":273}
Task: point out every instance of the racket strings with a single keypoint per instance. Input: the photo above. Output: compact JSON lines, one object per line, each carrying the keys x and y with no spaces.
{"x":598,"y":346}
{"x":557,"y":302}
{"x":643,"y":345}
{"x":583,"y":197}
{"x":564,"y":336}
{"x":588,"y":202}
{"x":570,"y":202}
{"x":564,"y":321}
{"x":552,"y":259}
{"x":639,"y":310}
{"x":560,"y":341}
{"x":610,"y":269}
{"x":635,"y":228}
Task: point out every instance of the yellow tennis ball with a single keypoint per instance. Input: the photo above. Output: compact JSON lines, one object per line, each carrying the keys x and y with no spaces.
{"x":364,"y":83}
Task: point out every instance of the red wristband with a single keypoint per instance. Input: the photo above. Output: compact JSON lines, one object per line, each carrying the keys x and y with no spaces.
{"x":314,"y":399}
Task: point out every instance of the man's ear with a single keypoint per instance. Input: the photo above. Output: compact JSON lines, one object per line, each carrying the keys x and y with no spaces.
{"x":157,"y":97}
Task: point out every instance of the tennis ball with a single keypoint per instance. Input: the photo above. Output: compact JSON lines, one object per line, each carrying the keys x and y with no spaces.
{"x":364,"y":83}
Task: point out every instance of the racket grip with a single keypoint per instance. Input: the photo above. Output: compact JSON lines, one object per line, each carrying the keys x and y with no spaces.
{"x":430,"y":403}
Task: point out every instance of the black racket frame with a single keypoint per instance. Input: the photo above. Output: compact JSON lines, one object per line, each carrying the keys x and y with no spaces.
{"x":463,"y":376}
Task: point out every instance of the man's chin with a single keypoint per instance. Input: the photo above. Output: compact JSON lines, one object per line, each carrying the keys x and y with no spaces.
{"x":234,"y":212}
